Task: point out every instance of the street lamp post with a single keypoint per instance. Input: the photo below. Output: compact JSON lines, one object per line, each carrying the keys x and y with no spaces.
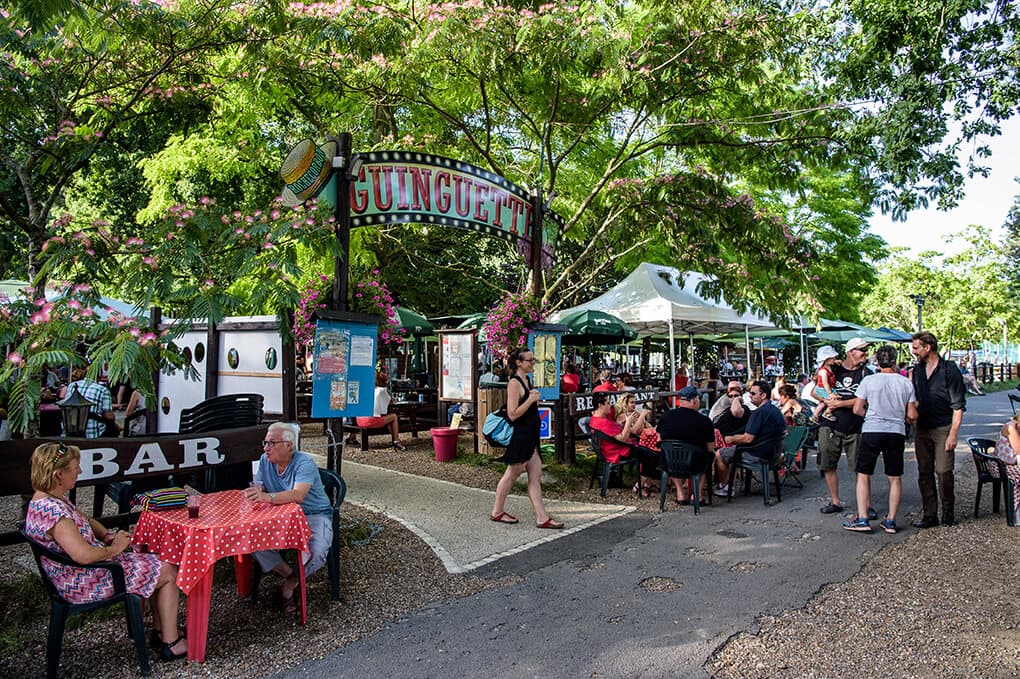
{"x":1005,"y":350}
{"x":919,"y":301}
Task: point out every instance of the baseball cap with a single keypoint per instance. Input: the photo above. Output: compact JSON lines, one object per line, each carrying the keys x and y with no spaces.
{"x":856,"y":343}
{"x":689,"y":393}
{"x":824,"y":354}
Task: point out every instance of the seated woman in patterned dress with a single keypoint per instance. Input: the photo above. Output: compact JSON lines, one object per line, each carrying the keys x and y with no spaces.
{"x":1005,"y":449}
{"x":55,"y":523}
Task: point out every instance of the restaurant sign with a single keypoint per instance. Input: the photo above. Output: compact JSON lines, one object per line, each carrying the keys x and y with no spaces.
{"x":119,"y":459}
{"x":394,"y":187}
{"x":584,"y":403}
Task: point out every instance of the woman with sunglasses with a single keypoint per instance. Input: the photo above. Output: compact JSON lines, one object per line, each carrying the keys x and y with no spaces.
{"x":55,"y":523}
{"x":522,"y":452}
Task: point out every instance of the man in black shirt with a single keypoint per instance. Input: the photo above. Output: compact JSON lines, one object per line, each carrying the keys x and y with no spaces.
{"x":842,"y":434}
{"x":942,"y":398}
{"x":686,"y":423}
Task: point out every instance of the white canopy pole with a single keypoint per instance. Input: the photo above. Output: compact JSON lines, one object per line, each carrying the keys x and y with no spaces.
{"x":690,"y":360}
{"x":750,"y":350}
{"x":672,"y":356}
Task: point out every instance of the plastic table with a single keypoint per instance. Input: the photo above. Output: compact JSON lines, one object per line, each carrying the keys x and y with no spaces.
{"x":228,"y":525}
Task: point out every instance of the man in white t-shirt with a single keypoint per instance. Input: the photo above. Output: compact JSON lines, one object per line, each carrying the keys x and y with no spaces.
{"x":886,"y":400}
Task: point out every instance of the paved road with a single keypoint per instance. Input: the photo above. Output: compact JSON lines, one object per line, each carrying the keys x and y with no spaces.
{"x":643,"y":595}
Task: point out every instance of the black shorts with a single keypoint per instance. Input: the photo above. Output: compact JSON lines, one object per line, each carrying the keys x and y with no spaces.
{"x":890,"y":446}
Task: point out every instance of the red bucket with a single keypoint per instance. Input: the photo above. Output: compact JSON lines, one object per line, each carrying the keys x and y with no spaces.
{"x":445,"y":441}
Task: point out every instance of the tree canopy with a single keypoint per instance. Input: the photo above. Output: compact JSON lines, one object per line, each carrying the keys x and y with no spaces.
{"x":748,"y":140}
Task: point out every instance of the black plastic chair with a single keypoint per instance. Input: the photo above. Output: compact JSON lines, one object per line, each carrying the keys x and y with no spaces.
{"x":762,"y":457}
{"x":680,"y":458}
{"x":987,"y":471}
{"x":608,"y":467}
{"x":336,"y":491}
{"x":61,"y":609}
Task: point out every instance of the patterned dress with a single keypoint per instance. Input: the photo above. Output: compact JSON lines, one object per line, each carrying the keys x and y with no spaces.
{"x":1004,"y":451}
{"x":83,"y":585}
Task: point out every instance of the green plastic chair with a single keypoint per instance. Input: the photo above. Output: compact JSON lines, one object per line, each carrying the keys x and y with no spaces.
{"x":792,"y":444}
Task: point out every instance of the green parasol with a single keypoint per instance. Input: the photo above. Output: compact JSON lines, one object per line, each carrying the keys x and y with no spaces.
{"x":413,"y":323}
{"x":589,"y":326}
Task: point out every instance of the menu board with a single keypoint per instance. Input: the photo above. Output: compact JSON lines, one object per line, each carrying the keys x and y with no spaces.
{"x":343,"y":369}
{"x":457,"y":361}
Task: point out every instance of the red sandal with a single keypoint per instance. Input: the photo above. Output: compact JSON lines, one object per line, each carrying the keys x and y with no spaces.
{"x":550,"y":523}
{"x":503,"y":517}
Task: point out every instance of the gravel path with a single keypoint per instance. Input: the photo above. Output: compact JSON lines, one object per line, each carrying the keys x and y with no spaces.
{"x":939,"y":604}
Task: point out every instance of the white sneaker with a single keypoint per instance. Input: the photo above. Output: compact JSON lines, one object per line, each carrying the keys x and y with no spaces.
{"x":722,"y":491}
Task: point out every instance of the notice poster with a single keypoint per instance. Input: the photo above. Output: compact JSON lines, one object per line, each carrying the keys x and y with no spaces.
{"x":332,"y":351}
{"x":343,"y":366}
{"x":458,"y":366}
{"x":545,"y":344}
{"x":338,"y":394}
{"x":362,"y":350}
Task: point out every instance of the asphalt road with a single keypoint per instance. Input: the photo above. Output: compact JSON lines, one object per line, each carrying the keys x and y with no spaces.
{"x":643,"y":595}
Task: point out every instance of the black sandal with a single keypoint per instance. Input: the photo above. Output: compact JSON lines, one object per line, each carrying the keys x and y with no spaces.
{"x":398,"y":445}
{"x":166,"y":653}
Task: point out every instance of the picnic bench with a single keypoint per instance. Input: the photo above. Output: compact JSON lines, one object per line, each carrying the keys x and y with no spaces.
{"x":412,"y":417}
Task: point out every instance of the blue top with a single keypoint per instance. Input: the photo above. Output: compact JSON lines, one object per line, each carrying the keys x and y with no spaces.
{"x":301,"y":469}
{"x":766,"y":421}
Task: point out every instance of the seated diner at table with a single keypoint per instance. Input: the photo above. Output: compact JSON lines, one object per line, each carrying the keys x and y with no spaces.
{"x":765,"y":422}
{"x":619,"y":446}
{"x":604,"y":381}
{"x":570,"y":383}
{"x":686,"y":423}
{"x":728,"y":413}
{"x":55,"y":523}
{"x":287,"y":474}
{"x":627,"y":404}
{"x":795,"y":414}
{"x":381,"y":418}
{"x":1005,"y":449}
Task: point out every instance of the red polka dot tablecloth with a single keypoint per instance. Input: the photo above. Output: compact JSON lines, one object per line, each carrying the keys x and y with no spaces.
{"x":227,"y":525}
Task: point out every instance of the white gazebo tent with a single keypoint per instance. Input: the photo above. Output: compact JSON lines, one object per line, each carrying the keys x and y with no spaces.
{"x":659,"y":300}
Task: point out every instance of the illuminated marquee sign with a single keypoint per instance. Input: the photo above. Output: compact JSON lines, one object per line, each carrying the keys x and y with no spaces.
{"x":398,"y":187}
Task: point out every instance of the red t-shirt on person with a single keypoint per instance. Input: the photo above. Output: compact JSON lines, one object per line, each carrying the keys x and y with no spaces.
{"x":605,"y":386}
{"x":611,"y":450}
{"x":570,"y":383}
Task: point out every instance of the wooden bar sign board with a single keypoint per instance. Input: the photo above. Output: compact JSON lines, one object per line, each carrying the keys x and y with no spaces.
{"x":107,"y":460}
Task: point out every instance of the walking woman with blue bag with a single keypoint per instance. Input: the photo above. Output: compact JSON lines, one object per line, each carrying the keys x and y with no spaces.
{"x":522,"y":452}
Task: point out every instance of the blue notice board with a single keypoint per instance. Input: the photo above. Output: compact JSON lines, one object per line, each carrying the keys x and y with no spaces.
{"x":343,"y":369}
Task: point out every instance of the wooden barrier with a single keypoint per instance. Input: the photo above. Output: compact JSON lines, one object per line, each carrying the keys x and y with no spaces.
{"x":104,"y":461}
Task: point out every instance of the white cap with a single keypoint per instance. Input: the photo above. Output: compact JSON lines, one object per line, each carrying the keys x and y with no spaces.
{"x":856,"y":343}
{"x":824,"y":354}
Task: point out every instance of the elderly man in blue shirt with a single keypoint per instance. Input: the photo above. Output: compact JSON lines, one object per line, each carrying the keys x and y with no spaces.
{"x":288,"y":475}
